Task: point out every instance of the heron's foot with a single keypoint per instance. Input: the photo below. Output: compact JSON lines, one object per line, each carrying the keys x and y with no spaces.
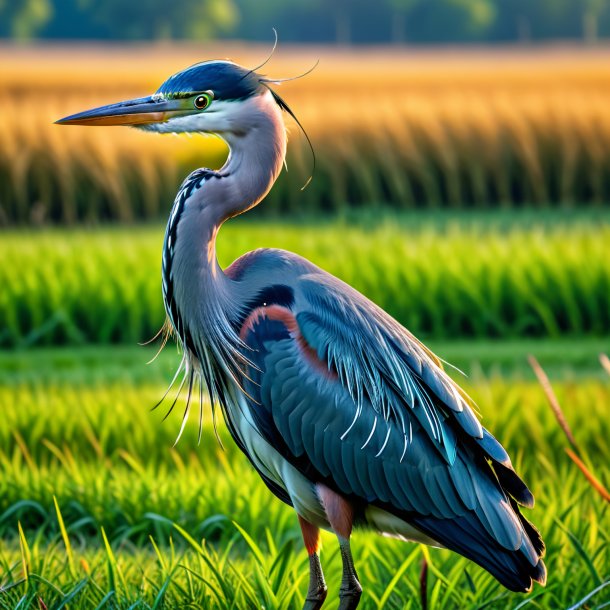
{"x":349,"y":595}
{"x":315,"y":599}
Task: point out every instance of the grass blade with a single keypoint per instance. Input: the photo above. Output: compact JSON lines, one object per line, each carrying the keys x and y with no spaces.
{"x":64,"y":535}
{"x":587,"y":597}
{"x":25,"y":553}
{"x":158,"y":603}
{"x":258,"y":554}
{"x":105,"y":600}
{"x":72,"y":594}
{"x":423,"y":584}
{"x":399,"y":574}
{"x":582,"y":552}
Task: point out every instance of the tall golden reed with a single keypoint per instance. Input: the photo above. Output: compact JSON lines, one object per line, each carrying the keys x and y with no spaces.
{"x":402,"y":129}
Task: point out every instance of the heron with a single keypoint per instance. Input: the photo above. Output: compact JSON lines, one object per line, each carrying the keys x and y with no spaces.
{"x":345,"y":415}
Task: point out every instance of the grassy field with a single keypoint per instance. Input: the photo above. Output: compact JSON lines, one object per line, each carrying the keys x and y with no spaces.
{"x":139,"y":524}
{"x":98,"y":510}
{"x":457,"y":275}
{"x":401,"y":128}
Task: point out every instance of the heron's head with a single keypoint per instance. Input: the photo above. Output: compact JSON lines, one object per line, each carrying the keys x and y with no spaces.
{"x":210,"y":97}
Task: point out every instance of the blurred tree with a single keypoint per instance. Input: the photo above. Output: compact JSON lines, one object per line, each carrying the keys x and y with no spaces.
{"x":451,"y":20}
{"x":295,"y":20}
{"x":322,"y":21}
{"x":475,"y":16}
{"x":400,"y":13}
{"x":159,"y":19}
{"x":23,"y":19}
{"x":525,"y":21}
{"x":593,"y":9}
{"x":339,"y":21}
{"x":343,"y":26}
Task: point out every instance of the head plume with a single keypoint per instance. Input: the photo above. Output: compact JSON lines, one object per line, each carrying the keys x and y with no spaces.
{"x":265,"y":82}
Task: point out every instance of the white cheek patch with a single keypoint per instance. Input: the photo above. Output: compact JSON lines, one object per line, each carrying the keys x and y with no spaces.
{"x":218,"y":118}
{"x":192,"y":122}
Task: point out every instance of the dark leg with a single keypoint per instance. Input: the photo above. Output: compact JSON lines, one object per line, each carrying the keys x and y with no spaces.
{"x":316,"y":593}
{"x":350,"y":590}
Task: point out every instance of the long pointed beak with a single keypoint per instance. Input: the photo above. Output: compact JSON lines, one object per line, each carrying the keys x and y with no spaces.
{"x":140,"y":111}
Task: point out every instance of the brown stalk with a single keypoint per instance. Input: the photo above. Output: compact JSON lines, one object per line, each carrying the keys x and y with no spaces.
{"x":556,"y":408}
{"x":553,"y":402}
{"x":601,"y":490}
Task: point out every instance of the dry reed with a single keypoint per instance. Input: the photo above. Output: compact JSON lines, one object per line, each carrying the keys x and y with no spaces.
{"x":573,"y":453}
{"x":396,"y":129}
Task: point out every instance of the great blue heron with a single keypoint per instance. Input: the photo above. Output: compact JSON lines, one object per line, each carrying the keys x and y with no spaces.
{"x":345,"y":415}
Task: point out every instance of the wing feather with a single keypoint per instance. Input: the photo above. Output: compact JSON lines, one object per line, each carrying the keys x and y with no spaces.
{"x":354,"y":401}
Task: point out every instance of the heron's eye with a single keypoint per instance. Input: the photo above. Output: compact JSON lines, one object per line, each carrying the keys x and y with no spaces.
{"x":203,"y":100}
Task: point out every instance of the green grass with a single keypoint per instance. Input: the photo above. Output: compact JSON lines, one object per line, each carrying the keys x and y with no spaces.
{"x":455,"y":276}
{"x":98,"y":510}
{"x":76,"y":428}
{"x":563,"y":359}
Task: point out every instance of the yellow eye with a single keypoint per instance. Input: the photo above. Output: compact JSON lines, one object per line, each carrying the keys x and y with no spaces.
{"x":203,"y":100}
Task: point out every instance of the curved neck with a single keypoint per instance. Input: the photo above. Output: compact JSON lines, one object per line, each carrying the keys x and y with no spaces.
{"x":256,"y":155}
{"x":191,"y":271}
{"x":201,"y":302}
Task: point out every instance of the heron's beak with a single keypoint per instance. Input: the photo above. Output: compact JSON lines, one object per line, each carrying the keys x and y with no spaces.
{"x":140,"y":111}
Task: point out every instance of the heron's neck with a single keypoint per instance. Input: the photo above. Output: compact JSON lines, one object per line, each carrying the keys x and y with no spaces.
{"x":198,"y":284}
{"x":255,"y":160}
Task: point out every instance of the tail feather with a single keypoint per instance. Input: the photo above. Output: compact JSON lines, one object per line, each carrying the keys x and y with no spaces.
{"x":494,"y":533}
{"x":509,"y":480}
{"x":513,"y":485}
{"x":467,"y":536}
{"x":531,"y":530}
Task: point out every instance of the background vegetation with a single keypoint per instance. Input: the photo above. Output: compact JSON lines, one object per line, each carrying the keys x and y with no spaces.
{"x":465,"y":192}
{"x":479,"y":276}
{"x":389,"y":129}
{"x":340,"y":21}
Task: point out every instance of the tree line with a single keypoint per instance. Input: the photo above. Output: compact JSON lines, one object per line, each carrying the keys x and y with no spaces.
{"x":319,"y":21}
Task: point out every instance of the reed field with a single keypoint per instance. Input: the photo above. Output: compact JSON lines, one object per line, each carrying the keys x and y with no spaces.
{"x":405,"y":129}
{"x":138,"y":522}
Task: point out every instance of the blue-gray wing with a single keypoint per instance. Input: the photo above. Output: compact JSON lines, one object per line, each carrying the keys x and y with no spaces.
{"x":353,"y":400}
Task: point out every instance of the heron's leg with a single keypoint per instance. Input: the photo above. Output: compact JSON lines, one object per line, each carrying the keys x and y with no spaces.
{"x":350,"y":590}
{"x":316,"y":593}
{"x":340,"y":514}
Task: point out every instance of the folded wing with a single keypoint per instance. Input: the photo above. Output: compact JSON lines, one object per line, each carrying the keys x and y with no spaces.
{"x":353,"y":400}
